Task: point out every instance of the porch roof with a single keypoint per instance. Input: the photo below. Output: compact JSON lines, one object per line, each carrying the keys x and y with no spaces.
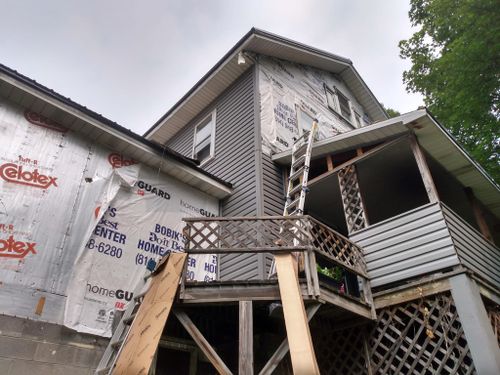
{"x":432,"y":137}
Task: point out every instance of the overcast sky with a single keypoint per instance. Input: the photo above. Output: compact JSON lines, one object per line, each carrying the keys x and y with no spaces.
{"x":132,"y":60}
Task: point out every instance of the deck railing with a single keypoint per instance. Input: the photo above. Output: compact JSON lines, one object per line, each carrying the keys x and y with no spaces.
{"x":277,"y":234}
{"x":272,"y":234}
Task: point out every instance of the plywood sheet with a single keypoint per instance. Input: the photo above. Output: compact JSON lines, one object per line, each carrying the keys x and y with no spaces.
{"x":142,"y":341}
{"x":297,"y":327}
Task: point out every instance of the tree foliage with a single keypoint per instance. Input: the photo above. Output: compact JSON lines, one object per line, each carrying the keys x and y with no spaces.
{"x":391,"y":112}
{"x":455,"y":57}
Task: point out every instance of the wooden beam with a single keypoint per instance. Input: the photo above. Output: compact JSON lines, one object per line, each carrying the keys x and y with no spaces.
{"x":478,"y":214}
{"x":245,"y":363}
{"x":356,"y":159}
{"x":281,"y":351}
{"x":297,"y":327}
{"x":424,"y":170}
{"x":329,"y":162}
{"x":202,"y":343}
{"x":415,"y":292}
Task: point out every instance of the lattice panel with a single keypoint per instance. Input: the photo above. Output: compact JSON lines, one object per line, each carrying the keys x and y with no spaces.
{"x":420,"y":337}
{"x":339,"y":351}
{"x":246,"y":233}
{"x":351,"y":199}
{"x":337,"y":246}
{"x":494,"y":315}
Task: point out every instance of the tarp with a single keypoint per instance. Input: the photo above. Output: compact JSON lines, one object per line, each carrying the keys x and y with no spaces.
{"x":79,"y":220}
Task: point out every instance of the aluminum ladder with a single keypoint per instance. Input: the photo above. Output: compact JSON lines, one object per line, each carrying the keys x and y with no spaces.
{"x":298,"y":177}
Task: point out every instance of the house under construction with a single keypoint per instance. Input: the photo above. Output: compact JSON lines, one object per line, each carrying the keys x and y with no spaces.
{"x":316,"y":235}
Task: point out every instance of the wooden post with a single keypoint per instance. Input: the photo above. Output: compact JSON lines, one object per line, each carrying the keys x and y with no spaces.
{"x":424,"y":170}
{"x":297,"y":327}
{"x":245,"y":363}
{"x":478,"y":214}
{"x":329,"y":162}
{"x":476,"y":325}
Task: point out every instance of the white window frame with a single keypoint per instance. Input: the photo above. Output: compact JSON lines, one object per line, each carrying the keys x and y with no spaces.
{"x":336,"y":105}
{"x":212,"y":136}
{"x":298,"y":110}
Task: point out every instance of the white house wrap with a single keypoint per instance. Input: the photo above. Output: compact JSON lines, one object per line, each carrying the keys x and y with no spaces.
{"x":79,"y":220}
{"x":286,"y":88}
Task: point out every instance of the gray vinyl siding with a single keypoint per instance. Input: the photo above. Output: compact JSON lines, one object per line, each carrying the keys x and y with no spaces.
{"x":273,"y":189}
{"x":234,"y":161}
{"x":272,"y":194}
{"x":415,"y":243}
{"x":475,"y":252}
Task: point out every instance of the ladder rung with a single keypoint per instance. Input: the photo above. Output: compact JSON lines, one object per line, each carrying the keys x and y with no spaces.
{"x":296,"y":174}
{"x":103,"y":370}
{"x":299,"y":161}
{"x":117,"y":344}
{"x":296,"y":212}
{"x":293,"y":203}
{"x":301,"y":150}
{"x":295,"y":190}
{"x":129,"y":319}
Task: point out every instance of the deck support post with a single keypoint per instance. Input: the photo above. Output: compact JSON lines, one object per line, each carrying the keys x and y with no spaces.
{"x":245,"y":360}
{"x":476,"y":324}
{"x":424,"y":170}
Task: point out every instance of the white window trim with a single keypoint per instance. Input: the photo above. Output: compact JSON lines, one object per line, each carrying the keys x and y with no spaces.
{"x":335,"y":91}
{"x":298,"y":109}
{"x":212,"y":137}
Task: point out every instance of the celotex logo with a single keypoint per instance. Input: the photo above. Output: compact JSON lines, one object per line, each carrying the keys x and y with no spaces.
{"x":18,"y":175}
{"x":10,"y":248}
{"x":39,"y":120}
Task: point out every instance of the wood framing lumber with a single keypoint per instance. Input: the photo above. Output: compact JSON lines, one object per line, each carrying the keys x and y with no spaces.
{"x":245,"y":362}
{"x":202,"y":343}
{"x":424,"y":170}
{"x":360,"y":157}
{"x":478,"y":214}
{"x":297,"y":327}
{"x":281,"y":351}
{"x":140,"y":345}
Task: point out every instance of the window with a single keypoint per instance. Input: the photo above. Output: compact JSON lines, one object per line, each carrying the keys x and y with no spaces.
{"x":345,"y":109}
{"x":339,"y":103}
{"x":357,"y":118}
{"x":204,"y":139}
{"x":367,"y":119}
{"x":330,"y":99}
{"x":305,"y":122}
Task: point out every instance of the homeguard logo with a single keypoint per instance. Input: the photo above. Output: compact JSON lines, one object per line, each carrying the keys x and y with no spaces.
{"x":200,"y":211}
{"x":16,"y":174}
{"x":118,"y":294}
{"x":10,"y":248}
{"x":44,"y":122}
{"x":152,"y":189}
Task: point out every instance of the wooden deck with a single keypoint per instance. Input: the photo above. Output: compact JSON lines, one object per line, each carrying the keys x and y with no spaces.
{"x":228,"y":292}
{"x":312,"y":242}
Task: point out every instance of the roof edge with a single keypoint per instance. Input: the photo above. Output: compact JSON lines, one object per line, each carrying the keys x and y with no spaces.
{"x":164,"y":151}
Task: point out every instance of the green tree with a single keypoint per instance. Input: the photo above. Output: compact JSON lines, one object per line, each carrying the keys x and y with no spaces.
{"x":455,"y":57}
{"x":391,"y":112}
